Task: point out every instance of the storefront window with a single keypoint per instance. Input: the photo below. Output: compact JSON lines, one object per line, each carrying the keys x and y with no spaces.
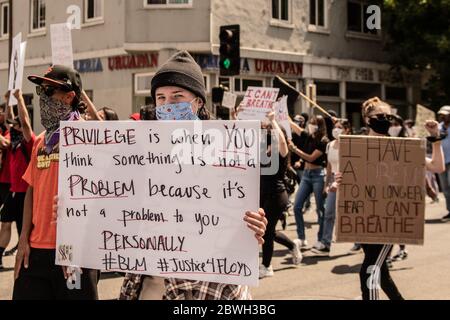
{"x":357,"y":17}
{"x":327,"y":89}
{"x":362,"y":91}
{"x":396,"y":93}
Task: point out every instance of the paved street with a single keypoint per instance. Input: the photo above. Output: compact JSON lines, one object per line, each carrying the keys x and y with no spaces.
{"x":424,"y":275}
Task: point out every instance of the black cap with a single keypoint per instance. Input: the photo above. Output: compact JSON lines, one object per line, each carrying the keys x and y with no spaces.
{"x":64,"y":77}
{"x":182,"y":71}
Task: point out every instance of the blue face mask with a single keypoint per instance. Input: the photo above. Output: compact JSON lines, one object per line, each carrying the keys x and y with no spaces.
{"x":176,"y":111}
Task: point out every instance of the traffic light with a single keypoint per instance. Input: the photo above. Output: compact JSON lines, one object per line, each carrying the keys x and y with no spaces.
{"x":230,"y":50}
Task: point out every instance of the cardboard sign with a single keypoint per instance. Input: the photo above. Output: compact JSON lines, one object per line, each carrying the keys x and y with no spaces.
{"x":160,"y":198}
{"x":382,"y":197}
{"x":229,"y":100}
{"x":16,"y":67}
{"x":423,"y":114}
{"x":282,"y":116}
{"x":61,"y":37}
{"x":257,"y":103}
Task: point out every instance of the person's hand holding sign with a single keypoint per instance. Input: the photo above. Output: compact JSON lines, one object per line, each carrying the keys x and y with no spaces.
{"x":257,"y":222}
{"x":234,"y":112}
{"x":338,"y":179}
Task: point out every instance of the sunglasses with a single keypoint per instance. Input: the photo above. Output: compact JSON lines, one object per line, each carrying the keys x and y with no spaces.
{"x":383,"y":116}
{"x":49,"y":90}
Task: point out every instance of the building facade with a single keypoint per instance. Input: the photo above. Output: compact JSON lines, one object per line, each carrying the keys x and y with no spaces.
{"x":121,"y":44}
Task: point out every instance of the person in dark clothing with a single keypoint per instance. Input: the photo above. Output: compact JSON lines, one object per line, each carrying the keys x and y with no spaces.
{"x":274,"y":200}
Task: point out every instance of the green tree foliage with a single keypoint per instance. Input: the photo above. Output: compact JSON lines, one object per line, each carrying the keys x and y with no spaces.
{"x":418,"y":38}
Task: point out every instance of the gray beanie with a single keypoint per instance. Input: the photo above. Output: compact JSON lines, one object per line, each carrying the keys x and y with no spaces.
{"x":182,"y":71}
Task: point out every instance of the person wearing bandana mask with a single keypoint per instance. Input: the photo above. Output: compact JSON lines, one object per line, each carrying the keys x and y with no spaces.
{"x":36,"y":275}
{"x":179,"y":93}
{"x":22,"y":139}
{"x":378,"y":116}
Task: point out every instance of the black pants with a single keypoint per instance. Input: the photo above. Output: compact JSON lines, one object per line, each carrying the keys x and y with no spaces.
{"x":43,"y":280}
{"x":274,"y":206}
{"x":375,"y":259}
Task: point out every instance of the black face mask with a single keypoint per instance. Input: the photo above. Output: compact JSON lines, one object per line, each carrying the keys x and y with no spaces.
{"x":380,"y":126}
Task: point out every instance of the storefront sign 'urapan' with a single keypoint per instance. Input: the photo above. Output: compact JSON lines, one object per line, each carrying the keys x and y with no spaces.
{"x":135,"y":61}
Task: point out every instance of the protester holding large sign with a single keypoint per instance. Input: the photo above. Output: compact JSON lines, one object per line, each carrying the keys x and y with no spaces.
{"x":179,"y":92}
{"x":36,"y":275}
{"x":372,"y":220}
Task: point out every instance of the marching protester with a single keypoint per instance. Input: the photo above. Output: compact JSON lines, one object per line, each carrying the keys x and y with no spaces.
{"x":342,"y":127}
{"x":107,"y":114}
{"x":148,"y":113}
{"x":274,"y":201}
{"x":104,"y":114}
{"x":177,"y":84}
{"x":135,"y":117}
{"x":22,"y":139}
{"x":5,"y":142}
{"x":377,"y":115}
{"x":409,"y":124}
{"x":297,"y":162}
{"x":444,"y":178}
{"x":36,"y":275}
{"x":313,"y":179}
{"x":5,"y":180}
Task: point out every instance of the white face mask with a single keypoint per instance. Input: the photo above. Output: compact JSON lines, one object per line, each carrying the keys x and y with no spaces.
{"x":337,"y":132}
{"x":395,"y":131}
{"x":312,"y":128}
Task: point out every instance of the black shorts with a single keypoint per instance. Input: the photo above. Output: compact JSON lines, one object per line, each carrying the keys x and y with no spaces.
{"x":43,"y":280}
{"x":12,"y":210}
{"x":4,"y":192}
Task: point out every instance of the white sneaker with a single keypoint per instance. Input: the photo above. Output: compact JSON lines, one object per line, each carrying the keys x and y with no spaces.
{"x":319,"y":246}
{"x":297,"y":256}
{"x":265,"y":272}
{"x":301,"y":243}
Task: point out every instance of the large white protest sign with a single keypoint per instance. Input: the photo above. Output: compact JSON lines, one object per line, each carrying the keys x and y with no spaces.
{"x":229,"y":100}
{"x":282,"y":115}
{"x":257,"y":103}
{"x":160,"y":198}
{"x":61,"y":37}
{"x":16,"y":67}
